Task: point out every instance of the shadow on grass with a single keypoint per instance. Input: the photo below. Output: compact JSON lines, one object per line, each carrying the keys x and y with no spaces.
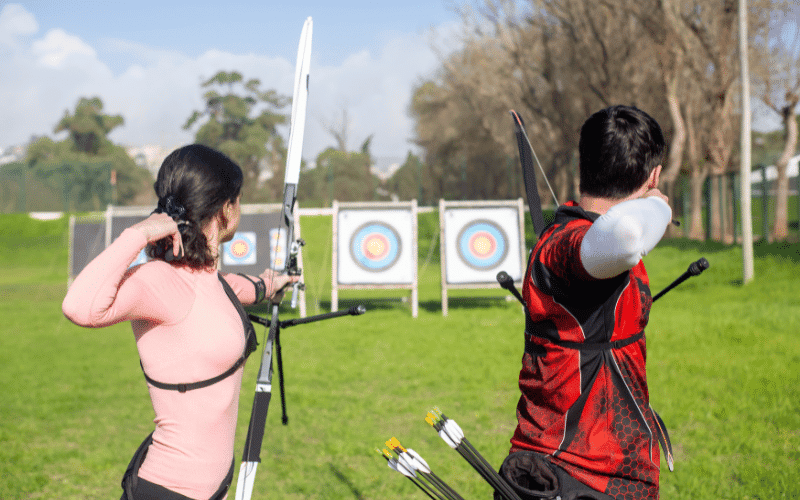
{"x":346,"y":481}
{"x":402,"y":303}
{"x":463,"y":303}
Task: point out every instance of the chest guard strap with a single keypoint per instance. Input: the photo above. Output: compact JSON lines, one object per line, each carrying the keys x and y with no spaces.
{"x":250,"y":345}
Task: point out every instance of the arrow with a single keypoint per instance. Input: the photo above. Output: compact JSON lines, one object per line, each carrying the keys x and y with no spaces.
{"x":451,"y":433}
{"x":410,"y":474}
{"x":410,"y":463}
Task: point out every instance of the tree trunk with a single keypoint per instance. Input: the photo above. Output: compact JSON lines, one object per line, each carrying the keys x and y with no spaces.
{"x":714,"y":208}
{"x":696,"y":229}
{"x":781,"y":228}
{"x":672,"y":169}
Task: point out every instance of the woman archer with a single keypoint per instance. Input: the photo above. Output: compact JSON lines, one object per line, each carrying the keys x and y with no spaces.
{"x":191,"y":331}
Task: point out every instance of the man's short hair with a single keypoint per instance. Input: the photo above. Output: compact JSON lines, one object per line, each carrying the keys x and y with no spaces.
{"x":619,"y":148}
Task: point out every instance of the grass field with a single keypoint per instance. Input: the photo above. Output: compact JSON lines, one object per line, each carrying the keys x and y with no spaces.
{"x":723,"y":368}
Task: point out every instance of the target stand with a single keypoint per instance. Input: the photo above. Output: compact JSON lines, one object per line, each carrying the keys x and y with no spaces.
{"x":479,"y":239}
{"x":374,"y":247}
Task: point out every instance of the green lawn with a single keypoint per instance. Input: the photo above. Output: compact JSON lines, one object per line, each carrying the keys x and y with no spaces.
{"x":723,"y":367}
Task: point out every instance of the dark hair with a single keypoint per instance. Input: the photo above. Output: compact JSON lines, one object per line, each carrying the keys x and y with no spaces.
{"x":619,"y":148}
{"x":200,"y":180}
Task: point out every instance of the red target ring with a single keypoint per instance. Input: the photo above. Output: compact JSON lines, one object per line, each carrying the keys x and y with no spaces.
{"x":375,"y":247}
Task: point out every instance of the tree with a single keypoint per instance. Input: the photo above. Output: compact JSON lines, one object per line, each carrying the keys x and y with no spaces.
{"x":410,"y":181}
{"x":557,"y":61}
{"x":244,"y":126}
{"x":88,"y":127}
{"x":340,"y":174}
{"x":778,"y":77}
{"x":81,"y":166}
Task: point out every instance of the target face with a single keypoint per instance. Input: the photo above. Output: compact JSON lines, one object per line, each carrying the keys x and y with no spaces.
{"x":278,"y":250}
{"x":241,"y":250}
{"x":375,"y":246}
{"x":482,"y":244}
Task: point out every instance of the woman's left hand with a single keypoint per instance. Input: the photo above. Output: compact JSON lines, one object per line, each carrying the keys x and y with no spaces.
{"x":277,"y":284}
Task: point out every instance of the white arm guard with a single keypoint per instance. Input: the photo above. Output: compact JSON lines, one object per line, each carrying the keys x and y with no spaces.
{"x":619,"y":239}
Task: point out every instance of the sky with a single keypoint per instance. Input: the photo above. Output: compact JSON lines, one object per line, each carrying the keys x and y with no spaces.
{"x":146,"y":61}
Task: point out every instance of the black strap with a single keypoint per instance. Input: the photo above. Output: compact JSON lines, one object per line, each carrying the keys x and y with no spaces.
{"x":195,"y":385}
{"x":579,"y":346}
{"x":250,"y":345}
{"x":260,"y":286}
{"x":589,"y":346}
{"x":250,"y":340}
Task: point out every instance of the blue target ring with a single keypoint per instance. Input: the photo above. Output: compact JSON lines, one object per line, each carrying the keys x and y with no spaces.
{"x":375,"y":246}
{"x":482,"y":244}
{"x":241,"y":250}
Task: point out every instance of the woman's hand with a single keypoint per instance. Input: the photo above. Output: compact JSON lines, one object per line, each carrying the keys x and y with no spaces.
{"x":277,"y":284}
{"x":159,"y":226}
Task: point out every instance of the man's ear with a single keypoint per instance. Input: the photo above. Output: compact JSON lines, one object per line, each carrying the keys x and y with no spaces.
{"x":652,"y":182}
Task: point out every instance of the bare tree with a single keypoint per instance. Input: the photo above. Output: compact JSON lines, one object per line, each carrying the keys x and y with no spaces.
{"x":777,"y":75}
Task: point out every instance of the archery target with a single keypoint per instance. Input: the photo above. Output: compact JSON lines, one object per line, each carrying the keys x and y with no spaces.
{"x":278,"y":251}
{"x":374,"y":247}
{"x":480,"y":242}
{"x":241,"y":250}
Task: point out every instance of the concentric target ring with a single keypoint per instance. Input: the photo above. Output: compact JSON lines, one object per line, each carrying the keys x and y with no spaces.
{"x":482,"y":244}
{"x":375,"y":246}
{"x":240,"y":250}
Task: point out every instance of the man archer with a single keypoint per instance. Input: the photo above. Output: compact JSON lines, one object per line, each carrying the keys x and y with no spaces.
{"x":585,"y":426}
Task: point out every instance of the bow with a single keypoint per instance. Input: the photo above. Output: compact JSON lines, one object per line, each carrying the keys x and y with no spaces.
{"x":251,"y":455}
{"x":529,"y":174}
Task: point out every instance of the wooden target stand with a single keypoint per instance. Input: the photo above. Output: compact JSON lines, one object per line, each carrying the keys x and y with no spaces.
{"x":488,"y":278}
{"x":375,"y":279}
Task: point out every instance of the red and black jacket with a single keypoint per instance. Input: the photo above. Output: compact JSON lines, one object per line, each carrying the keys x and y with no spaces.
{"x":584,"y":399}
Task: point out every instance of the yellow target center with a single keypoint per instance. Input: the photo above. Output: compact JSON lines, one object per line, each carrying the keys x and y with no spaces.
{"x":239,"y":248}
{"x":375,"y":246}
{"x":482,"y":245}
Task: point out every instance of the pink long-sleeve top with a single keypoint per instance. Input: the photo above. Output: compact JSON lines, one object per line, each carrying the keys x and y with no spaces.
{"x":186,"y":330}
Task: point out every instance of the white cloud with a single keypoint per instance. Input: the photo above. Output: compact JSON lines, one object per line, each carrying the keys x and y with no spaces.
{"x":158,"y":89}
{"x":59,"y":49}
{"x":15,"y":22}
